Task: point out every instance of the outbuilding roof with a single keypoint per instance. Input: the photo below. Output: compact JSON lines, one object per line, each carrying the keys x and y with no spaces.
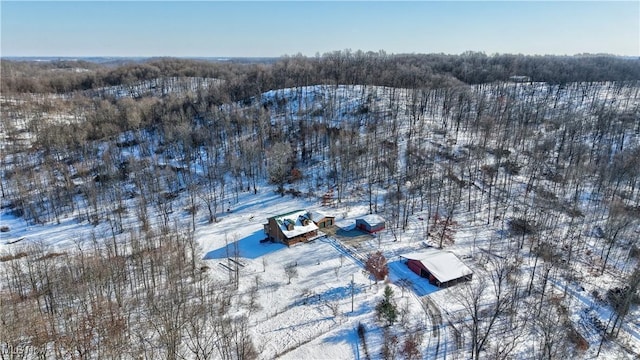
{"x":317,"y":215}
{"x":444,"y":265}
{"x":372,"y":219}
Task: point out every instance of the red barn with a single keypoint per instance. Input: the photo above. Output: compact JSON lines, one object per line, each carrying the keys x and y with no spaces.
{"x":442,"y":268}
{"x":370,"y":223}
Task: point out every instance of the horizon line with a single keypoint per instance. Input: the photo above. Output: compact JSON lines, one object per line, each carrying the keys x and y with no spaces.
{"x":295,"y":55}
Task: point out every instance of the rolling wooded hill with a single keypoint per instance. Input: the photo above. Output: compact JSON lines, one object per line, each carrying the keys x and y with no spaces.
{"x":119,"y":181}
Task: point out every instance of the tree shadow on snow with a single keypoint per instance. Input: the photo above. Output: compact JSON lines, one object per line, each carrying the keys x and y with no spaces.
{"x":308,"y":323}
{"x":259,"y":203}
{"x":364,"y":308}
{"x":350,"y":232}
{"x":349,"y":336}
{"x":333,"y":294}
{"x":249,"y":247}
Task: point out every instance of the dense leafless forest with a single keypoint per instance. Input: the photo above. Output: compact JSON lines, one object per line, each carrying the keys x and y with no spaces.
{"x":539,"y":155}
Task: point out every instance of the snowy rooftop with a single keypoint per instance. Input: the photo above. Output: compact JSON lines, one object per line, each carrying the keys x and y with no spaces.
{"x":372,"y":219}
{"x":444,"y":265}
{"x":295,"y":217}
{"x":317,"y":215}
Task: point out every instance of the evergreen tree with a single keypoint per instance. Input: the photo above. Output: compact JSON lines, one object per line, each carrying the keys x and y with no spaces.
{"x":386,"y":308}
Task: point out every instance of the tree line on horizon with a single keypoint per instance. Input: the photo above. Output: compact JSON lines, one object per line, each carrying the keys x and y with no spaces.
{"x":244,"y":79}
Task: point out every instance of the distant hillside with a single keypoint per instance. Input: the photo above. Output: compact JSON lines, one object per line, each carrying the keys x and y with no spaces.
{"x":133,"y":202}
{"x":246,"y":77}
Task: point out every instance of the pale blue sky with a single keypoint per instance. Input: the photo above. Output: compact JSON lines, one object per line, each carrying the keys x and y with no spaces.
{"x":266,"y":28}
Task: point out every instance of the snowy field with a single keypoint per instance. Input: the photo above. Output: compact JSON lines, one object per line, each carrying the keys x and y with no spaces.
{"x":313,"y":315}
{"x":310,"y":315}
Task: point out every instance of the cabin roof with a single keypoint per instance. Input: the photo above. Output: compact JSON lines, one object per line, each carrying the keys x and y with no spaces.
{"x":295,"y":217}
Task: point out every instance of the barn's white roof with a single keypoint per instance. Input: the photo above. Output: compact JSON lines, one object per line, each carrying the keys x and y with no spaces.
{"x":298,"y":227}
{"x":372,"y":219}
{"x":444,"y":265}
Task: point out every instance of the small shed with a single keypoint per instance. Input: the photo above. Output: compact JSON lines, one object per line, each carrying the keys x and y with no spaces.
{"x":442,"y":268}
{"x":371,"y":223}
{"x":322,"y":220}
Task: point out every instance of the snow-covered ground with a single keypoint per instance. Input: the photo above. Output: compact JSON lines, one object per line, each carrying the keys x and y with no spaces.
{"x":297,"y":320}
{"x":315,"y":312}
